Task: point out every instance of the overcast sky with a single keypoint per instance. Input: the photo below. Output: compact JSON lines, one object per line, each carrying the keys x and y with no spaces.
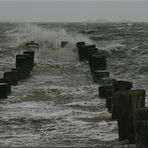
{"x":73,"y":11}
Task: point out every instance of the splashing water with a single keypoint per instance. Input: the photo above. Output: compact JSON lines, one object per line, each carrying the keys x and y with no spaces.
{"x":49,"y":41}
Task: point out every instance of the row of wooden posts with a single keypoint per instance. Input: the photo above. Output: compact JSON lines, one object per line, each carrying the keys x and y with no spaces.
{"x":127,"y":105}
{"x":23,"y":67}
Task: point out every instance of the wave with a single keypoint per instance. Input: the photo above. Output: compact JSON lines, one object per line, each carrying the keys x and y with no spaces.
{"x":49,"y":40}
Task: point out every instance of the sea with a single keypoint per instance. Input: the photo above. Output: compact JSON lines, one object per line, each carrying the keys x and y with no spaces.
{"x":59,"y":104}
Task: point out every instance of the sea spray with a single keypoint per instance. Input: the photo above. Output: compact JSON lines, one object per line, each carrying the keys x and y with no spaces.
{"x":49,"y":41}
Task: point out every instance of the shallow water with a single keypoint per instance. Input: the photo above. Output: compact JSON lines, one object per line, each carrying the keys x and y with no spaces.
{"x":59,"y":104}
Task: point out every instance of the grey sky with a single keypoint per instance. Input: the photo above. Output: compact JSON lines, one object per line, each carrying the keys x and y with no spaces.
{"x":57,"y":11}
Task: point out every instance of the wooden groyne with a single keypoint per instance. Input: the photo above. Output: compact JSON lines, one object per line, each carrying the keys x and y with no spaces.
{"x":126,"y":104}
{"x":23,"y":67}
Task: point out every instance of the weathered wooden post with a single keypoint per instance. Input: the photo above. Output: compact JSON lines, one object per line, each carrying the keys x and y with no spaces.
{"x":82,"y":53}
{"x":128,"y":102}
{"x":7,"y":81}
{"x":119,"y":86}
{"x":108,"y":82}
{"x":23,"y":61}
{"x":97,"y":62}
{"x":12,"y":76}
{"x":3,"y":90}
{"x":85,"y":51}
{"x":19,"y":73}
{"x":32,"y":44}
{"x":78,"y":44}
{"x":91,"y":49}
{"x":105,"y":91}
{"x":141,"y":127}
{"x":21,"y":66}
{"x":28,"y":61}
{"x":31,"y":53}
{"x":63,"y":43}
{"x":99,"y":74}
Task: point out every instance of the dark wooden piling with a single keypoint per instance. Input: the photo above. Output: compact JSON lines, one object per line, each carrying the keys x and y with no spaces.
{"x":23,"y":61}
{"x":7,"y":81}
{"x":105,"y":91}
{"x":97,"y":62}
{"x":108,"y":103}
{"x":128,"y":102}
{"x":82,"y":53}
{"x":3,"y":90}
{"x":141,"y":127}
{"x":12,"y":76}
{"x":32,"y":44}
{"x":107,"y":81}
{"x":90,"y":49}
{"x":21,"y":66}
{"x":17,"y":71}
{"x":85,"y":51}
{"x":78,"y":44}
{"x":31,"y":53}
{"x":99,"y":74}
{"x":28,"y":61}
{"x":119,"y":86}
{"x":64,"y":43}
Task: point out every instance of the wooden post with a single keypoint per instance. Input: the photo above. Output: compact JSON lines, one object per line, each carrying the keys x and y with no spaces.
{"x":108,"y":82}
{"x":127,"y":103}
{"x":82,"y":53}
{"x":85,"y":51}
{"x":64,"y":43}
{"x":24,"y":63}
{"x":118,"y":86}
{"x":12,"y":76}
{"x":141,"y":127}
{"x":28,"y":61}
{"x":99,"y":74}
{"x":32,"y":44}
{"x":108,"y":103}
{"x":31,"y":53}
{"x":78,"y":44}
{"x":97,"y":62}
{"x":105,"y":91}
{"x":7,"y":81}
{"x":3,"y":90}
{"x":21,"y":66}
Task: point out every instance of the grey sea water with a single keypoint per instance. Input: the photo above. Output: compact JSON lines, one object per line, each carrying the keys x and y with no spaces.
{"x":59,"y":106}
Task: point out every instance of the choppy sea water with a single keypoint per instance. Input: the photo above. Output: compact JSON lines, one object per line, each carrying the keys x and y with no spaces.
{"x":59,"y":104}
